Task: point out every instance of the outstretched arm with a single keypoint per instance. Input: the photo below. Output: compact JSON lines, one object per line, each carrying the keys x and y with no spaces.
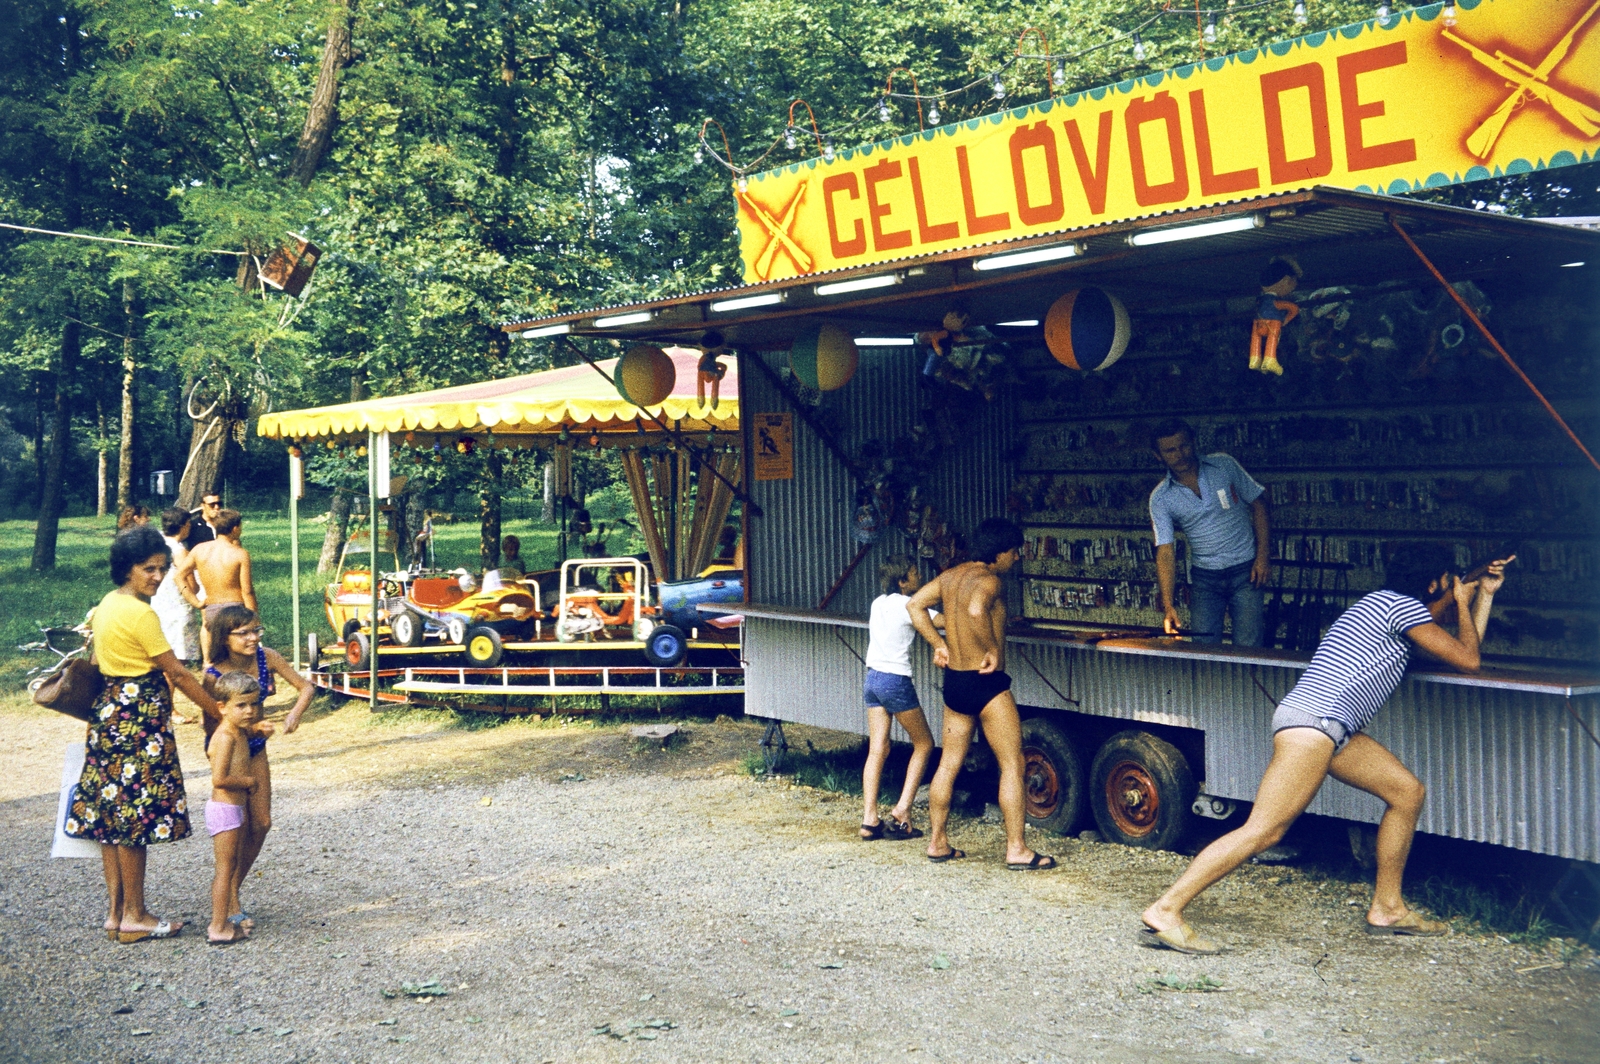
{"x":928,"y":597}
{"x":280,"y":665}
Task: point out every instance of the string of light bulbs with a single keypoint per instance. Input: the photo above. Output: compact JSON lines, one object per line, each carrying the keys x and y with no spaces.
{"x":1056,"y":64}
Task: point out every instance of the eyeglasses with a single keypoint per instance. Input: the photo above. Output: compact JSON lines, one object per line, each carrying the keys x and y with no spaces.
{"x":248,"y":633}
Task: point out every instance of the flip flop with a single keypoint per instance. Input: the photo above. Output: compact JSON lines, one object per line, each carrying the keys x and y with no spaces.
{"x":239,"y":919}
{"x":1181,"y":939}
{"x":898,"y":831}
{"x":1042,"y":862}
{"x":1408,"y":925}
{"x":874,"y":832}
{"x":953,"y":855}
{"x":162,"y":930}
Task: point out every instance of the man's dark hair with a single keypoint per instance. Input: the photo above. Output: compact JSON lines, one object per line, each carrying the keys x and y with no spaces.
{"x":894,"y":569}
{"x":132,"y":546}
{"x":1412,"y":567}
{"x":227,"y":521}
{"x":995,"y":536}
{"x":1172,"y":426}
{"x":173,"y":519}
{"x":1277,"y":270}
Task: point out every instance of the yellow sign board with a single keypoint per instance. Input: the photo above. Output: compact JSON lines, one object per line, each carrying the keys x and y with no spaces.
{"x":1391,"y":106}
{"x":774,"y":447}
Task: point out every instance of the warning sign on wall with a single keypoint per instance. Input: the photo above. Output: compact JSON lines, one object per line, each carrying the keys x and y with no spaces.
{"x":774,"y":446}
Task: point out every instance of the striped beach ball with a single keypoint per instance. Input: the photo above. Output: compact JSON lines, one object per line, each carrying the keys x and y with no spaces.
{"x":645,"y":375}
{"x":824,"y":357}
{"x":1087,"y":329}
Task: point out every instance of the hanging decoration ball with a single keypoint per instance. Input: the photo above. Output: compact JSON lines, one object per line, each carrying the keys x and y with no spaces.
{"x":361,"y":452}
{"x":645,"y":375}
{"x":466,"y":444}
{"x":332,"y":446}
{"x":295,"y":452}
{"x":824,"y":357}
{"x":411,"y":437}
{"x":1087,"y":329}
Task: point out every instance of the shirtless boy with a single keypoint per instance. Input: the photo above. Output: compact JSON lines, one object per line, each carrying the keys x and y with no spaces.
{"x":231,"y":786}
{"x":976,"y":687}
{"x":224,"y":571}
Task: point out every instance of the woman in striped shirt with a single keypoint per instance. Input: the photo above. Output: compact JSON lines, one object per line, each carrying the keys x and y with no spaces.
{"x":1318,"y":732}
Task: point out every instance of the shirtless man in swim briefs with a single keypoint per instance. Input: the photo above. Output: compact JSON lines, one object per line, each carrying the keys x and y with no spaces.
{"x":223,"y":567}
{"x":976,"y":687}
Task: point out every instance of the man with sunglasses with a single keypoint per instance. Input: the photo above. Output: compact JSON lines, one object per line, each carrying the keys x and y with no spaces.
{"x":202,"y":523}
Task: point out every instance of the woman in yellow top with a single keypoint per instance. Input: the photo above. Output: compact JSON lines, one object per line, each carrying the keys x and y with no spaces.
{"x":131,"y":791}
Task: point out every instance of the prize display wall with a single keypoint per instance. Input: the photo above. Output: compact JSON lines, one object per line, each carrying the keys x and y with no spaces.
{"x":1394,"y":420}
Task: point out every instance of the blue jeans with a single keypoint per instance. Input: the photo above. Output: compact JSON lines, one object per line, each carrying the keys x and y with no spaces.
{"x":1214,"y":592}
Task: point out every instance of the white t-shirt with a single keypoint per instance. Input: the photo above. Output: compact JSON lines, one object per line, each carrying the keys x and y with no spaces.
{"x":890,"y":635}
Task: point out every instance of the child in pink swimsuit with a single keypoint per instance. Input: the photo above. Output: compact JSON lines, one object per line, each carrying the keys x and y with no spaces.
{"x":239,"y":695}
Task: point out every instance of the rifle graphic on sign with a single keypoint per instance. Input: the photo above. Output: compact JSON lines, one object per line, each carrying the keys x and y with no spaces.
{"x":778,"y":233}
{"x":1528,"y":81}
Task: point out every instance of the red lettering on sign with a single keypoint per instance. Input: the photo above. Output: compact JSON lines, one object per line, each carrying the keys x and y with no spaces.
{"x":1320,"y":162}
{"x":1159,"y":108}
{"x":884,"y":170}
{"x":977,"y":223}
{"x":929,"y":234}
{"x":1360,"y":154}
{"x":1094,"y":177}
{"x":856,"y":245}
{"x":1212,"y":183}
{"x":1037,"y":135}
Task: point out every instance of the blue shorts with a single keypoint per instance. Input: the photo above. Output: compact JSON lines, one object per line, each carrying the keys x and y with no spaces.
{"x":1294,"y":717}
{"x":891,"y":691}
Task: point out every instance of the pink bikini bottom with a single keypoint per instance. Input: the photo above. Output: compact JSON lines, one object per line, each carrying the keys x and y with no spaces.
{"x":220,"y":817}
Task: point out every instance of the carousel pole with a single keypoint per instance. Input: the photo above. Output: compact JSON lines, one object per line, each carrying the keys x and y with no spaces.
{"x":372,"y":541}
{"x":296,"y":488}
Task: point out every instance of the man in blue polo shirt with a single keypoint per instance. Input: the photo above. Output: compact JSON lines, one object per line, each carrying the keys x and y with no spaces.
{"x":1219,"y":508}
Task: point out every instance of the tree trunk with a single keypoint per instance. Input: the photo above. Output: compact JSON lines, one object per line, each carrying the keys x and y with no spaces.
{"x":125,"y":448}
{"x":333,"y":538}
{"x":101,"y":459}
{"x":208,"y":455}
{"x":316,"y":136}
{"x":489,"y":513}
{"x":416,"y":510}
{"x":506,"y":133}
{"x":547,"y":513}
{"x":39,"y":452}
{"x":53,"y":497}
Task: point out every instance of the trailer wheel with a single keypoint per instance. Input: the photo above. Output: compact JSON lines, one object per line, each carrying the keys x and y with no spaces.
{"x":1052,"y":777}
{"x":358,"y":652}
{"x":352,"y":626}
{"x":406,"y":628}
{"x":666,"y":646}
{"x":1142,"y":789}
{"x":484,"y":648}
{"x":313,"y":652}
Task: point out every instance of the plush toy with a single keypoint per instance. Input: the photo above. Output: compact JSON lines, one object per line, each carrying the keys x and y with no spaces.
{"x":709,"y":371}
{"x":1273,"y":312}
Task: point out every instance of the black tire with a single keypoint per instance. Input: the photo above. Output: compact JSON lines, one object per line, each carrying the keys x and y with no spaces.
{"x":358,"y":652}
{"x":1053,"y":791}
{"x":351,"y":626}
{"x":666,"y":647}
{"x":313,"y":652}
{"x":484,"y":648}
{"x":406,"y":629}
{"x":1141,"y":789}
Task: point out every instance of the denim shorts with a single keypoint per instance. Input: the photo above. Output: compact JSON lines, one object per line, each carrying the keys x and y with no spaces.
{"x":1295,"y":717}
{"x":893,"y":692}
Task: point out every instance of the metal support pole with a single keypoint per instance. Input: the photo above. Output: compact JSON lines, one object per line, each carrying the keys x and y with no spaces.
{"x":372,"y":541}
{"x":294,"y":553}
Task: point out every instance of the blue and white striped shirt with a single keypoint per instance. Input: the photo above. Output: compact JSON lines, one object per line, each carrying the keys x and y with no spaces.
{"x":1360,"y":661}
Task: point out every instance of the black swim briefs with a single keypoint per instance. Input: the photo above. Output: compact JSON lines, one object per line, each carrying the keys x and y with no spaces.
{"x":968,"y":692}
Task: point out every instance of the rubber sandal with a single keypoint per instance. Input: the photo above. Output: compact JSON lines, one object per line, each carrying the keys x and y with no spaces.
{"x":161,"y":930}
{"x":874,"y":832}
{"x":1042,"y":862}
{"x":953,"y":855}
{"x":239,"y":919}
{"x":1408,"y":925}
{"x":1180,"y":939}
{"x":898,"y":831}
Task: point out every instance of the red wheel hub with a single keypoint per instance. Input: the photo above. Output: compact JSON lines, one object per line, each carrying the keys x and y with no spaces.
{"x":1132,"y":798}
{"x":352,"y":651}
{"x":1041,"y":787}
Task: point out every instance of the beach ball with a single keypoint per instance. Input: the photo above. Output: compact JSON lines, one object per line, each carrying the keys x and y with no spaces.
{"x":1087,"y":329}
{"x":645,"y":375}
{"x":824,"y":357}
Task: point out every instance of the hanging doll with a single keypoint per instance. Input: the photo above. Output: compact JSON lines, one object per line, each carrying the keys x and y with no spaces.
{"x":710,"y":371}
{"x":1273,"y":312}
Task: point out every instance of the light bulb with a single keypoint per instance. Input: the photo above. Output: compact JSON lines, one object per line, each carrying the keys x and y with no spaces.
{"x":883,"y":110}
{"x":743,"y":183}
{"x":1210,"y":33}
{"x":1059,"y":79}
{"x":1299,"y":12}
{"x":933,"y":112}
{"x":789,"y":140}
{"x":827,"y":150}
{"x":1139,"y":53}
{"x":999,"y":88}
{"x":1383,"y":12}
{"x":1448,"y":15}
{"x":699,"y":156}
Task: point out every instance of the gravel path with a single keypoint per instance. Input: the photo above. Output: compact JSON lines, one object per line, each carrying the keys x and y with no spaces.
{"x":700,"y":916}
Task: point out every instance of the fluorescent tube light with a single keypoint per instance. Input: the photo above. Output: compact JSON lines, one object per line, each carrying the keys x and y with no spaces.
{"x":1147,"y":237}
{"x":857,"y":284}
{"x":1027,"y":323}
{"x":1029,"y":257}
{"x":1570,"y":265}
{"x":636,"y":318}
{"x":884,"y":341}
{"x":546,"y":330}
{"x":765,"y":299}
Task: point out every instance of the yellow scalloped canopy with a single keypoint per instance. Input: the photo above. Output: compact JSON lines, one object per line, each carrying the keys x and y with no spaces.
{"x":536,"y":404}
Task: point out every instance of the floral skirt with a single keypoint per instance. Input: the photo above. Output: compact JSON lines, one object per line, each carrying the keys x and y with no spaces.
{"x":131,"y":790}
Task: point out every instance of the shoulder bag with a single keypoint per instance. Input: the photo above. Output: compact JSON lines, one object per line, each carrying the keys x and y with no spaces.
{"x":74,"y":689}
